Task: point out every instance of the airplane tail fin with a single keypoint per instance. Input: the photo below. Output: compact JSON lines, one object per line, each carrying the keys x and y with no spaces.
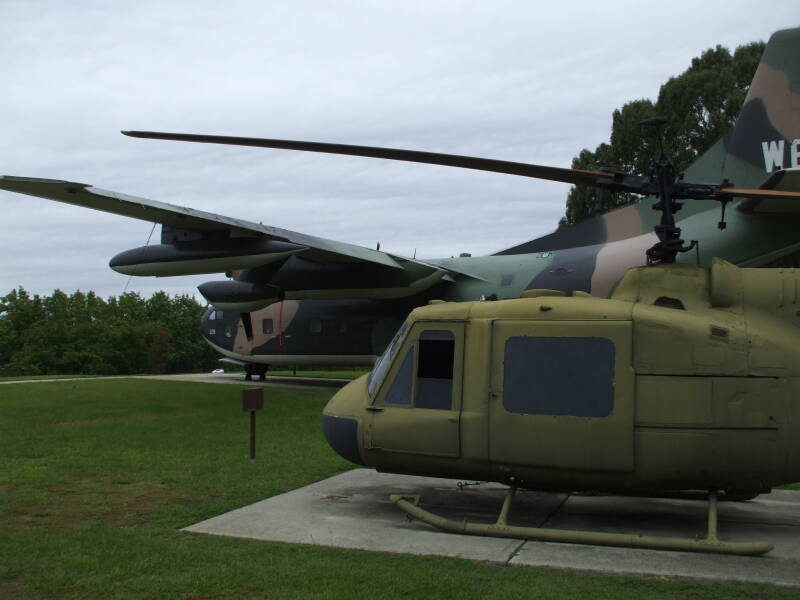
{"x":766,"y":136}
{"x":764,"y":140}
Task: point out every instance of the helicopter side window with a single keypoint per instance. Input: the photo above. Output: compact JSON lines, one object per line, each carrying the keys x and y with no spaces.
{"x":567,"y":376}
{"x":435,"y":370}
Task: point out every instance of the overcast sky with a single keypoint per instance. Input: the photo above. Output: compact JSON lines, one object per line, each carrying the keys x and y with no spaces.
{"x":516,"y":80}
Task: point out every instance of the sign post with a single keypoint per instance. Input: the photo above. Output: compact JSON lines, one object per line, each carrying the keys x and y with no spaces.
{"x":252,"y":401}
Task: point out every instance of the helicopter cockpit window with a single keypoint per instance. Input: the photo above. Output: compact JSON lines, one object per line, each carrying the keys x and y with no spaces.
{"x":400,"y":391}
{"x":568,"y":376}
{"x":435,"y":370}
{"x":382,"y":364}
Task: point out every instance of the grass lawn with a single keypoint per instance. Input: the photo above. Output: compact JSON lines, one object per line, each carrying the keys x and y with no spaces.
{"x":96,"y":478}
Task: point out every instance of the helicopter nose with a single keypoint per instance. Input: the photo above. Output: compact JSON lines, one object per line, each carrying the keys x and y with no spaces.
{"x":342,"y":436}
{"x":340,"y":420}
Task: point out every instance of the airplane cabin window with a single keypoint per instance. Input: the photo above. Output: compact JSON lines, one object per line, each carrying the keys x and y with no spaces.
{"x":266,"y":326}
{"x":566,"y":376}
{"x":400,"y":391}
{"x":435,"y":370}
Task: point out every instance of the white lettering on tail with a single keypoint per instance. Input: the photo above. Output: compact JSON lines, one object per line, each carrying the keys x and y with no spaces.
{"x":794,"y":152}
{"x":773,"y":155}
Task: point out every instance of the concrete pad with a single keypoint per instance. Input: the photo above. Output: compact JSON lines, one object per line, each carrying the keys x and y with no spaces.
{"x":774,"y":518}
{"x":352,"y":510}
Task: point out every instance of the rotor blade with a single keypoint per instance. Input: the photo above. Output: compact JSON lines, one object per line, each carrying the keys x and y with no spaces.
{"x":575,"y":176}
{"x":752,"y":193}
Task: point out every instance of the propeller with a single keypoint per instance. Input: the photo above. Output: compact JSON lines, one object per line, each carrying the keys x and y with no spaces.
{"x":661,"y":182}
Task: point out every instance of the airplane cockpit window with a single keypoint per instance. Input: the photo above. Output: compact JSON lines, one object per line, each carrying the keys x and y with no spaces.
{"x":435,"y":370}
{"x":566,"y":376}
{"x":382,"y":364}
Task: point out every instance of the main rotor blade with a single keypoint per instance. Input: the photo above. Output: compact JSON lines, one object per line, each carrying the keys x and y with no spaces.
{"x":753,"y":193}
{"x":575,"y":176}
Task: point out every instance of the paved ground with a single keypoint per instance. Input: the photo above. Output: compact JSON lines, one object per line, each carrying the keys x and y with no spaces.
{"x":352,"y":510}
{"x":237,"y":378}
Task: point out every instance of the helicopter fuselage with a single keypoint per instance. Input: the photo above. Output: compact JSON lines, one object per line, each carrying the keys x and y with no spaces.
{"x":687,"y":378}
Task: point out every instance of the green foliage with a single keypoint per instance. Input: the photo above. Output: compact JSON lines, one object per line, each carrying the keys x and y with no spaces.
{"x":701,"y":104}
{"x":85,"y":334}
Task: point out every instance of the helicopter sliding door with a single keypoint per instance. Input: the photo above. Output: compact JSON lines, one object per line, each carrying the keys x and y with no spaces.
{"x":562,"y":395}
{"x":418,"y":406}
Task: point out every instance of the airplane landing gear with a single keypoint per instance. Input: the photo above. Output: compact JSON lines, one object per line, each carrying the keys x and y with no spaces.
{"x":260,"y":370}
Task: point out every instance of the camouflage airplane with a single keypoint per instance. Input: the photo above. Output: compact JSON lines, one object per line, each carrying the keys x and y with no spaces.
{"x":293,"y":299}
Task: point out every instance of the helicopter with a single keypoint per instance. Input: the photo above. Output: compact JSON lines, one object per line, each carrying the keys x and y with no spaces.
{"x":684,"y":379}
{"x":294,"y":299}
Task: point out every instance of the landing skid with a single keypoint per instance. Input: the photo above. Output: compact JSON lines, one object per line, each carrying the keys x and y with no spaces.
{"x":711,"y":543}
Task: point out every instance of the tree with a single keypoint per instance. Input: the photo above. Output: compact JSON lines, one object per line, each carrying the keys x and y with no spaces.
{"x":701,"y":104}
{"x":82,"y":333}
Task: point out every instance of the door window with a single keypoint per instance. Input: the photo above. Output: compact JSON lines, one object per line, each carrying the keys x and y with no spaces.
{"x":425,"y":369}
{"x":435,"y":370}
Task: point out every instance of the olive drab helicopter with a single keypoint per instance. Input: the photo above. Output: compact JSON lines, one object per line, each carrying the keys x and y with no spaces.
{"x":686,"y":378}
{"x":562,"y":363}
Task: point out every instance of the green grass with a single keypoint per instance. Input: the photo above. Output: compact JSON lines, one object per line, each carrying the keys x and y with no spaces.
{"x":96,"y":478}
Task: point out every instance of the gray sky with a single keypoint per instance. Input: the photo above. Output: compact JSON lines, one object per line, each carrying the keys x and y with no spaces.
{"x":516,"y":80}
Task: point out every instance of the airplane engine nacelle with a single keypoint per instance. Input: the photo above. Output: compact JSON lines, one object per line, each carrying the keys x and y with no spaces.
{"x":202,"y":256}
{"x":239,"y":296}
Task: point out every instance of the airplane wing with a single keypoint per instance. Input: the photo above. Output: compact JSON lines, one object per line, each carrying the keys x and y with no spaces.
{"x":194,"y":242}
{"x":184,"y":218}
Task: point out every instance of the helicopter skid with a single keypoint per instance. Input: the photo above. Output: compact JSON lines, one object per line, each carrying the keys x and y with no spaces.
{"x":709,"y":544}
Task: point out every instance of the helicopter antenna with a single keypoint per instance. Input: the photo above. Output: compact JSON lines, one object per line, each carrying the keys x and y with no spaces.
{"x":669,"y":243}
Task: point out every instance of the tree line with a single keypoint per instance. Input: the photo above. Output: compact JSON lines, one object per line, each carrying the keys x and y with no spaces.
{"x":701,"y":104}
{"x":83,"y":334}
